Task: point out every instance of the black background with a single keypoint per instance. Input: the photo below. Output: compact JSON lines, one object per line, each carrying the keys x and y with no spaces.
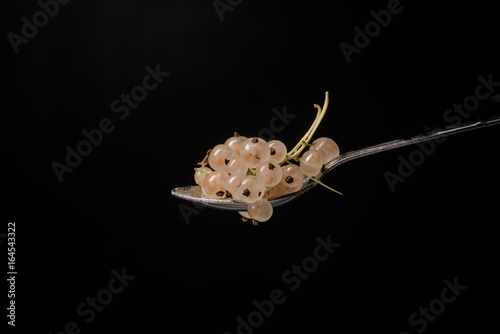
{"x":115,"y":209}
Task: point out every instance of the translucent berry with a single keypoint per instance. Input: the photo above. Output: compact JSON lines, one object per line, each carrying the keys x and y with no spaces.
{"x":234,"y":143}
{"x":219,"y":157}
{"x":200,"y":174}
{"x":261,"y":210}
{"x":312,"y":162}
{"x":277,"y":151}
{"x":277,"y":190}
{"x":251,"y":189}
{"x":231,"y":186}
{"x":236,"y":165}
{"x":292,"y":176}
{"x":254,"y":151}
{"x":327,"y":146}
{"x":269,"y":173}
{"x":213,"y":185}
{"x":289,"y":190}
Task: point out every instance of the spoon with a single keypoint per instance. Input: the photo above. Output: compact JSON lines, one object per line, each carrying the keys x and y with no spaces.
{"x":193,"y":193}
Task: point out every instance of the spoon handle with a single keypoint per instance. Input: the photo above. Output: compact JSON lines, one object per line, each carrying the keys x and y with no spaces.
{"x":427,"y":136}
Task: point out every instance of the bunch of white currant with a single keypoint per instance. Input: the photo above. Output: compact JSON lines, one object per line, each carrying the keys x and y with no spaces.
{"x":252,"y":170}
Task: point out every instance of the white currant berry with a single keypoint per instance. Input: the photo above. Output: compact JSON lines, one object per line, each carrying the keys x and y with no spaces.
{"x":254,"y":151}
{"x":269,"y":173}
{"x":200,"y":174}
{"x":213,"y":185}
{"x":277,"y":151}
{"x":292,"y":176}
{"x":260,"y":211}
{"x":236,"y":165}
{"x":327,"y":146}
{"x":290,"y":190}
{"x":234,"y":143}
{"x":277,"y":190}
{"x":251,"y":189}
{"x":312,"y":162}
{"x":219,"y":157}
{"x":231,"y":186}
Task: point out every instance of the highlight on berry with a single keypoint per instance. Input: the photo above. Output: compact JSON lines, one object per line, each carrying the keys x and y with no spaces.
{"x":252,"y":170}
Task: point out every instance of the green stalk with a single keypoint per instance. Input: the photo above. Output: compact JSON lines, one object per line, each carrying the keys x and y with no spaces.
{"x":295,"y":152}
{"x":322,"y":184}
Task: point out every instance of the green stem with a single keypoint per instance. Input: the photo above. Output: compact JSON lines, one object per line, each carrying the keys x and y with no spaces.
{"x":295,"y":152}
{"x":324,"y":185}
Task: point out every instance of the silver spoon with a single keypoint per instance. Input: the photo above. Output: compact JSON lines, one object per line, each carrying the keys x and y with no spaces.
{"x":193,"y":193}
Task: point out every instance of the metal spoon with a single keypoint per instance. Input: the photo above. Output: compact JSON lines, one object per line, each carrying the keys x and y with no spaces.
{"x":193,"y":193}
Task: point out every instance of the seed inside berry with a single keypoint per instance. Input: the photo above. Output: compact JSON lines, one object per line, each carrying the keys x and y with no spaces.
{"x":226,"y":161}
{"x":289,"y":179}
{"x":255,"y":140}
{"x":273,"y":151}
{"x":246,"y":192}
{"x":271,"y":166}
{"x":228,"y":194}
{"x":220,"y":193}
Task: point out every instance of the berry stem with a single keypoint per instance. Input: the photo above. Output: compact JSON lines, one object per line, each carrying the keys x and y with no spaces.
{"x":322,"y":184}
{"x":205,"y":170}
{"x":318,"y":181}
{"x":304,"y":142}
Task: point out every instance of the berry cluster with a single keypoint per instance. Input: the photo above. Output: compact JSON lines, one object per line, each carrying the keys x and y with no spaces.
{"x":251,"y":170}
